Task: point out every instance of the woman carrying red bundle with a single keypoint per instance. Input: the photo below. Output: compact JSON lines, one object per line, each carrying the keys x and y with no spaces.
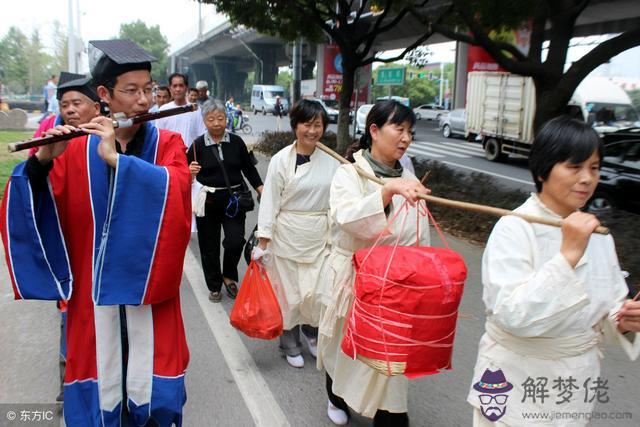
{"x":360,"y":211}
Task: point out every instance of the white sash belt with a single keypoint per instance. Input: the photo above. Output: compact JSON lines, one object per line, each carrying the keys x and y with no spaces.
{"x":545,"y":347}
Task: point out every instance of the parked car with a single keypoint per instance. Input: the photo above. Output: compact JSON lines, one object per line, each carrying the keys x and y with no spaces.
{"x":619,"y":185}
{"x":361,"y":117}
{"x":453,"y":123}
{"x":335,"y":105}
{"x":331,"y":112}
{"x":429,"y":112}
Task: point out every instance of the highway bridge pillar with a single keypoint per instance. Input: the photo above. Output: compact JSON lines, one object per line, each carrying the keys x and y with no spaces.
{"x":229,"y":80}
{"x":268,"y":55}
{"x":460,"y":88}
{"x":203,"y":71}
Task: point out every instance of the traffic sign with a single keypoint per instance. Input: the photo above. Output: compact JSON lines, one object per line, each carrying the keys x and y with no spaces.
{"x":390,"y":76}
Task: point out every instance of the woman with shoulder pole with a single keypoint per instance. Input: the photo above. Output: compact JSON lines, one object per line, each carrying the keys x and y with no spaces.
{"x":361,"y":211}
{"x":218,"y":160}
{"x":293,"y":225}
{"x":552,"y":295}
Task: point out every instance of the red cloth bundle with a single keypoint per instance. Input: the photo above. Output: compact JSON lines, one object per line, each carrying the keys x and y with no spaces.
{"x":404,"y":314}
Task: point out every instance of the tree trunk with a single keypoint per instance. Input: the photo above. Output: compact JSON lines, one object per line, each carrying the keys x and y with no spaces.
{"x":348,"y":76}
{"x":552,"y":99}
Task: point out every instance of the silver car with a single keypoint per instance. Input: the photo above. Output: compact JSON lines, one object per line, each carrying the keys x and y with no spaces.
{"x":453,"y":123}
{"x":429,"y":112}
{"x":361,"y":117}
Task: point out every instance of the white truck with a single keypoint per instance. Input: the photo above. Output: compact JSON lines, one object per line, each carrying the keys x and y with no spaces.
{"x":501,"y":108}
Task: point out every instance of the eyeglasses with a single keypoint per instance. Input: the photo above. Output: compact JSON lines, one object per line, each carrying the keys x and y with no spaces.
{"x":500,"y":399}
{"x":134,"y":92}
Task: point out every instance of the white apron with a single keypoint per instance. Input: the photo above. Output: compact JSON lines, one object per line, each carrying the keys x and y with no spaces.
{"x":294,"y":216}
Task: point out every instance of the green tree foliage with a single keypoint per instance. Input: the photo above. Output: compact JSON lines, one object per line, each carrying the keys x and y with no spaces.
{"x":13,"y":56}
{"x":353,"y":26}
{"x":37,"y":63}
{"x":490,"y":24}
{"x":635,"y":97}
{"x":284,"y":79}
{"x":60,"y":47}
{"x":25,"y":64}
{"x":151,"y":39}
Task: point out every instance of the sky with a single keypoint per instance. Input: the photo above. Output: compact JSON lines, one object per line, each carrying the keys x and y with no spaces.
{"x":178,"y":22}
{"x":100,"y":19}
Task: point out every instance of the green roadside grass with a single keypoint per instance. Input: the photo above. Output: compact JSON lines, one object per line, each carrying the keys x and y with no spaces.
{"x":9,"y":160}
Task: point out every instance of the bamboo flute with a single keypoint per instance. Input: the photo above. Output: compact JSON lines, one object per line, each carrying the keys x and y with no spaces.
{"x":127,"y":122}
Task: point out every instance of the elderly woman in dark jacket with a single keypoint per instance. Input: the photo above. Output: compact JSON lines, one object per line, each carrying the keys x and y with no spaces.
{"x":212,"y":156}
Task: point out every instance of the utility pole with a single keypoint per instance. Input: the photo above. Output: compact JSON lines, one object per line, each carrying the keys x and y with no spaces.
{"x":440,"y":99}
{"x":71,"y":41}
{"x":297,"y":70}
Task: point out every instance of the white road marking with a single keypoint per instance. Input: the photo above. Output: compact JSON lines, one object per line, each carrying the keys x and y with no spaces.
{"x":454,"y":148}
{"x":466,"y":145}
{"x":264,"y":408}
{"x":442,"y":150}
{"x":522,"y":181}
{"x":413,"y":150}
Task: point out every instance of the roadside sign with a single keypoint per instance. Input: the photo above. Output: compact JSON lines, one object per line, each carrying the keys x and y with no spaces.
{"x":390,"y":76}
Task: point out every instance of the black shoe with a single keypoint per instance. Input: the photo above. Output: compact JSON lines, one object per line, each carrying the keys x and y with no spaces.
{"x":60,"y":397}
{"x":232,"y":289}
{"x":215,"y":296}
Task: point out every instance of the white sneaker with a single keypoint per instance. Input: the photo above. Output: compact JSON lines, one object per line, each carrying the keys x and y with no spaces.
{"x":312,"y":343}
{"x":337,"y":415}
{"x":296,"y":361}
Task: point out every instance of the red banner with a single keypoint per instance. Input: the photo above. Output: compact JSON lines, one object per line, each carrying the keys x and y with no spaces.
{"x":479,"y":59}
{"x":332,"y":76}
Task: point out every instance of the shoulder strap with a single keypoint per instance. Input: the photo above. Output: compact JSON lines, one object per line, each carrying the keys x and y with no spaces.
{"x":224,"y":171}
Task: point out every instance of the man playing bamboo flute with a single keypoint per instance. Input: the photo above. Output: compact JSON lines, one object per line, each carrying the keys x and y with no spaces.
{"x":103,"y":221}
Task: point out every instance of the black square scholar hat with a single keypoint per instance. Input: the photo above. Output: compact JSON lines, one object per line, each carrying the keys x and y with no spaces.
{"x":111,"y":58}
{"x":76,"y":82}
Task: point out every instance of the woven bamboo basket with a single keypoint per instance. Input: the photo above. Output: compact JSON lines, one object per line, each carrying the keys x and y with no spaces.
{"x":384,"y":367}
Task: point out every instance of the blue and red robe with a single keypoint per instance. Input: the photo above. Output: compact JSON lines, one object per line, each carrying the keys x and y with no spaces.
{"x":101,"y":238}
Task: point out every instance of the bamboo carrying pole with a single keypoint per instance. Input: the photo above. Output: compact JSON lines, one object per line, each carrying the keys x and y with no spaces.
{"x":454,"y":203}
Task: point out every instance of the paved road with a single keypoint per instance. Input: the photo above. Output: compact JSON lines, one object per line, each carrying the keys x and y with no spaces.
{"x":237,"y":381}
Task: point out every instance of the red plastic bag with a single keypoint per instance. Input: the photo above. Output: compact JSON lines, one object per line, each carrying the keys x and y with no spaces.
{"x":256,"y":311}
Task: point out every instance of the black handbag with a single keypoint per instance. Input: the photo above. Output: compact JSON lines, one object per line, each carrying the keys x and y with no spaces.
{"x":243,"y":194}
{"x":252,"y":242}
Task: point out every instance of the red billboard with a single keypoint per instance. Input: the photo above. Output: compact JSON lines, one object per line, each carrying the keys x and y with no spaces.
{"x":479,"y":59}
{"x":332,"y":76}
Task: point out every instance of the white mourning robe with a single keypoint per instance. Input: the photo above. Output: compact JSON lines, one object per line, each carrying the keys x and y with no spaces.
{"x":294,"y":210}
{"x":358,"y":219}
{"x":544,"y":318}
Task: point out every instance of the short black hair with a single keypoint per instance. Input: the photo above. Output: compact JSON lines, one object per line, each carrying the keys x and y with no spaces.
{"x":193,"y":89}
{"x":164,"y":88}
{"x":559,"y":140}
{"x":306,"y":110}
{"x":185,"y":79}
{"x":383,"y":112}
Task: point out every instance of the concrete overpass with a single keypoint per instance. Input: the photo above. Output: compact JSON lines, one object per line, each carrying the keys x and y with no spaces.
{"x":224,"y":55}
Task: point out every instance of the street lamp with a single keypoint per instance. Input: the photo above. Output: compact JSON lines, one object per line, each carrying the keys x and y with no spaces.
{"x":237,"y":34}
